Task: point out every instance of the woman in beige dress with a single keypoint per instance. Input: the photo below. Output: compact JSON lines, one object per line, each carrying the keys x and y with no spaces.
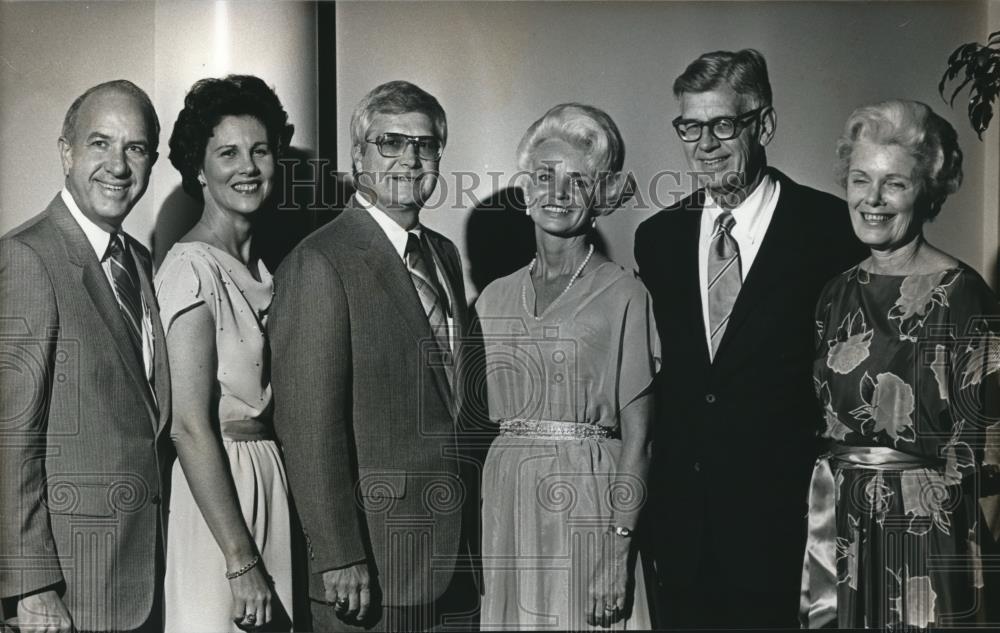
{"x":571,"y":350}
{"x":229,"y":541}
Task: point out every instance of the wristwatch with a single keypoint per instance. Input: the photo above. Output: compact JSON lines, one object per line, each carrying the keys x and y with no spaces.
{"x":621,"y":530}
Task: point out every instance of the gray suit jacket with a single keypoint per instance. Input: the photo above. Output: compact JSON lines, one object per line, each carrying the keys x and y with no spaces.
{"x":83,"y":452}
{"x":365,"y":412}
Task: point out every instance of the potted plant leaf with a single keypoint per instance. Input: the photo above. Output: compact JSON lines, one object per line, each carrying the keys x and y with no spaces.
{"x":978,"y":66}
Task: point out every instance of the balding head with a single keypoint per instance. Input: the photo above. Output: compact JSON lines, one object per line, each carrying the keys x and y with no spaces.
{"x":121,"y":86}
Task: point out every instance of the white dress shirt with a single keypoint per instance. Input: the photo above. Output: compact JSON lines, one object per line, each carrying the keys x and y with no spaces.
{"x":398,"y":236}
{"x":100,"y":240}
{"x":752,"y":216}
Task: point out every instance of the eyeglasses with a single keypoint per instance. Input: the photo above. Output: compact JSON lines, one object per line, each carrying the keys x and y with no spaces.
{"x":392,"y":145}
{"x":723,"y":128}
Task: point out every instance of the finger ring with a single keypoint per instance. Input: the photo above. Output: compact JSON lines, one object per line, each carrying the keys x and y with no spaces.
{"x":342,"y":602}
{"x":250,"y":618}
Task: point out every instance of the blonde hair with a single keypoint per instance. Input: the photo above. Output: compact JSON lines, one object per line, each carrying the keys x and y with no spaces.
{"x":913,"y":126}
{"x":591,"y":130}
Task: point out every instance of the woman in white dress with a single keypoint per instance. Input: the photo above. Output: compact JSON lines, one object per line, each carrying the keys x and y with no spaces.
{"x":229,"y":539}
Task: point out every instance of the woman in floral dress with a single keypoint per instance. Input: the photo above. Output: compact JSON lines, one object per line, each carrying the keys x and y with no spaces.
{"x":904,"y":357}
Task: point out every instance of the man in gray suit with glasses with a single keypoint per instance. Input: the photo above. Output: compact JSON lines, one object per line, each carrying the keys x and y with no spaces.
{"x":366,"y":335}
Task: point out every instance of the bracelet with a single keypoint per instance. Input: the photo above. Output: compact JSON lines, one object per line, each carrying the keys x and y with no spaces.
{"x":244,"y":569}
{"x":621,"y":530}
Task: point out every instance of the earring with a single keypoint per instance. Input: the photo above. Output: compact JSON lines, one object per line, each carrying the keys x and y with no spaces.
{"x":201,"y":181}
{"x":593,"y":223}
{"x":527,"y":211}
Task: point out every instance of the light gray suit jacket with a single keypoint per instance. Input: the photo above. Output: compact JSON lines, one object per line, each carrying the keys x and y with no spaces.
{"x":365,"y":412}
{"x":83,"y":452}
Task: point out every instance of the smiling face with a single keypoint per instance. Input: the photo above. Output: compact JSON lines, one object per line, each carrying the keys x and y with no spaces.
{"x":884,"y":193}
{"x":238,"y":170}
{"x":108,"y":160}
{"x":560,"y":192}
{"x":403,"y":183}
{"x":734,"y":166}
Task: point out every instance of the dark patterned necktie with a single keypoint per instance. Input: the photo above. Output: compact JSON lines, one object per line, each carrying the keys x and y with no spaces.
{"x":724,"y":277}
{"x":420,"y":263}
{"x":126,"y":280}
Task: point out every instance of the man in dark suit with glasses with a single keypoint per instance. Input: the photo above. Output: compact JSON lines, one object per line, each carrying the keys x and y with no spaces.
{"x":735,"y":270}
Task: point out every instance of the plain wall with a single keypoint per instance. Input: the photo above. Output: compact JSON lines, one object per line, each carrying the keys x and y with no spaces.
{"x":496,"y":67}
{"x":194,"y":39}
{"x":50,"y":52}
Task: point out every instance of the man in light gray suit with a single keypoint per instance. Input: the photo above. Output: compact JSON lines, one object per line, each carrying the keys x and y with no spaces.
{"x":84,"y":387}
{"x":366,"y":359}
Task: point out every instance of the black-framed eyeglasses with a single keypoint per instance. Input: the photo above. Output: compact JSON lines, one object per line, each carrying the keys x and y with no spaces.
{"x":393,"y":144}
{"x":723,"y":128}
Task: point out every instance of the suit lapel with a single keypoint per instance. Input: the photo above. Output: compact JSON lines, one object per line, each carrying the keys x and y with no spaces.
{"x":161,"y":367}
{"x":96,"y":283}
{"x":391,"y":273}
{"x":769,"y":265}
{"x":451,"y":270}
{"x":389,"y":270}
{"x":689,"y":235}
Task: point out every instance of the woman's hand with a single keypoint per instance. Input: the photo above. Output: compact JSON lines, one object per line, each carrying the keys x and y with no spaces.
{"x":608,"y":581}
{"x":251,"y":599}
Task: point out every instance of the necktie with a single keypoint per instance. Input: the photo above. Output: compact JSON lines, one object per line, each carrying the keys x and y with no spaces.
{"x":724,"y":277}
{"x":420,"y":263}
{"x":126,"y":280}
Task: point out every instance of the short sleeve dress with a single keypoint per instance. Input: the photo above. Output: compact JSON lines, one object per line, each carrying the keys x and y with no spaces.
{"x":196,"y":592}
{"x":901,"y":371}
{"x":547,"y":502}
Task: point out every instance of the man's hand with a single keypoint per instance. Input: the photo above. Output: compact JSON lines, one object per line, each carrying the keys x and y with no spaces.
{"x":43,"y":612}
{"x":349,"y":590}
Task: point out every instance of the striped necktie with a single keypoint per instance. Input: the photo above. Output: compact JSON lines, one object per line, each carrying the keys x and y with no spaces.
{"x":126,"y":281}
{"x":724,"y":277}
{"x":420,"y":263}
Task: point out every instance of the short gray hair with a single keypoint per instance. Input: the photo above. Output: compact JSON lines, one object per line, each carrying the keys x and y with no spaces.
{"x":744,"y":71}
{"x":913,"y":126}
{"x":396,"y":97}
{"x":116,"y":85}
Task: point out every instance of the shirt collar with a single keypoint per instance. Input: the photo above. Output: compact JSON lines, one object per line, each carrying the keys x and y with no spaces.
{"x":99,"y":238}
{"x":396,"y":234}
{"x":749,"y":212}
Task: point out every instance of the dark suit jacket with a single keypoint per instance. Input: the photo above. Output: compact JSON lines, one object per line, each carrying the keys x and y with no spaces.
{"x":364,"y":409}
{"x":735,"y":438}
{"x":84,"y":452}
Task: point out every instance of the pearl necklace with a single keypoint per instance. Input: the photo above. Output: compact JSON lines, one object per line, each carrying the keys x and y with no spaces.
{"x":572,"y":280}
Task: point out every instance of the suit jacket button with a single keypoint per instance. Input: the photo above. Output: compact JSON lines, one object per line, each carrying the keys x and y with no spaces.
{"x":155,"y":500}
{"x":710,"y":398}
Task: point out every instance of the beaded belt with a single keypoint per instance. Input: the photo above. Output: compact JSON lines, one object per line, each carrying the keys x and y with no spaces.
{"x":246,"y":430}
{"x":556,"y":430}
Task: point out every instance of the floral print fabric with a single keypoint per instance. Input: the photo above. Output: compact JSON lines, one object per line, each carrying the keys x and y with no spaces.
{"x":902,"y":363}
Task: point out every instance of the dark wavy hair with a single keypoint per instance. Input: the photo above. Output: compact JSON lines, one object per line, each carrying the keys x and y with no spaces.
{"x":208,"y":101}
